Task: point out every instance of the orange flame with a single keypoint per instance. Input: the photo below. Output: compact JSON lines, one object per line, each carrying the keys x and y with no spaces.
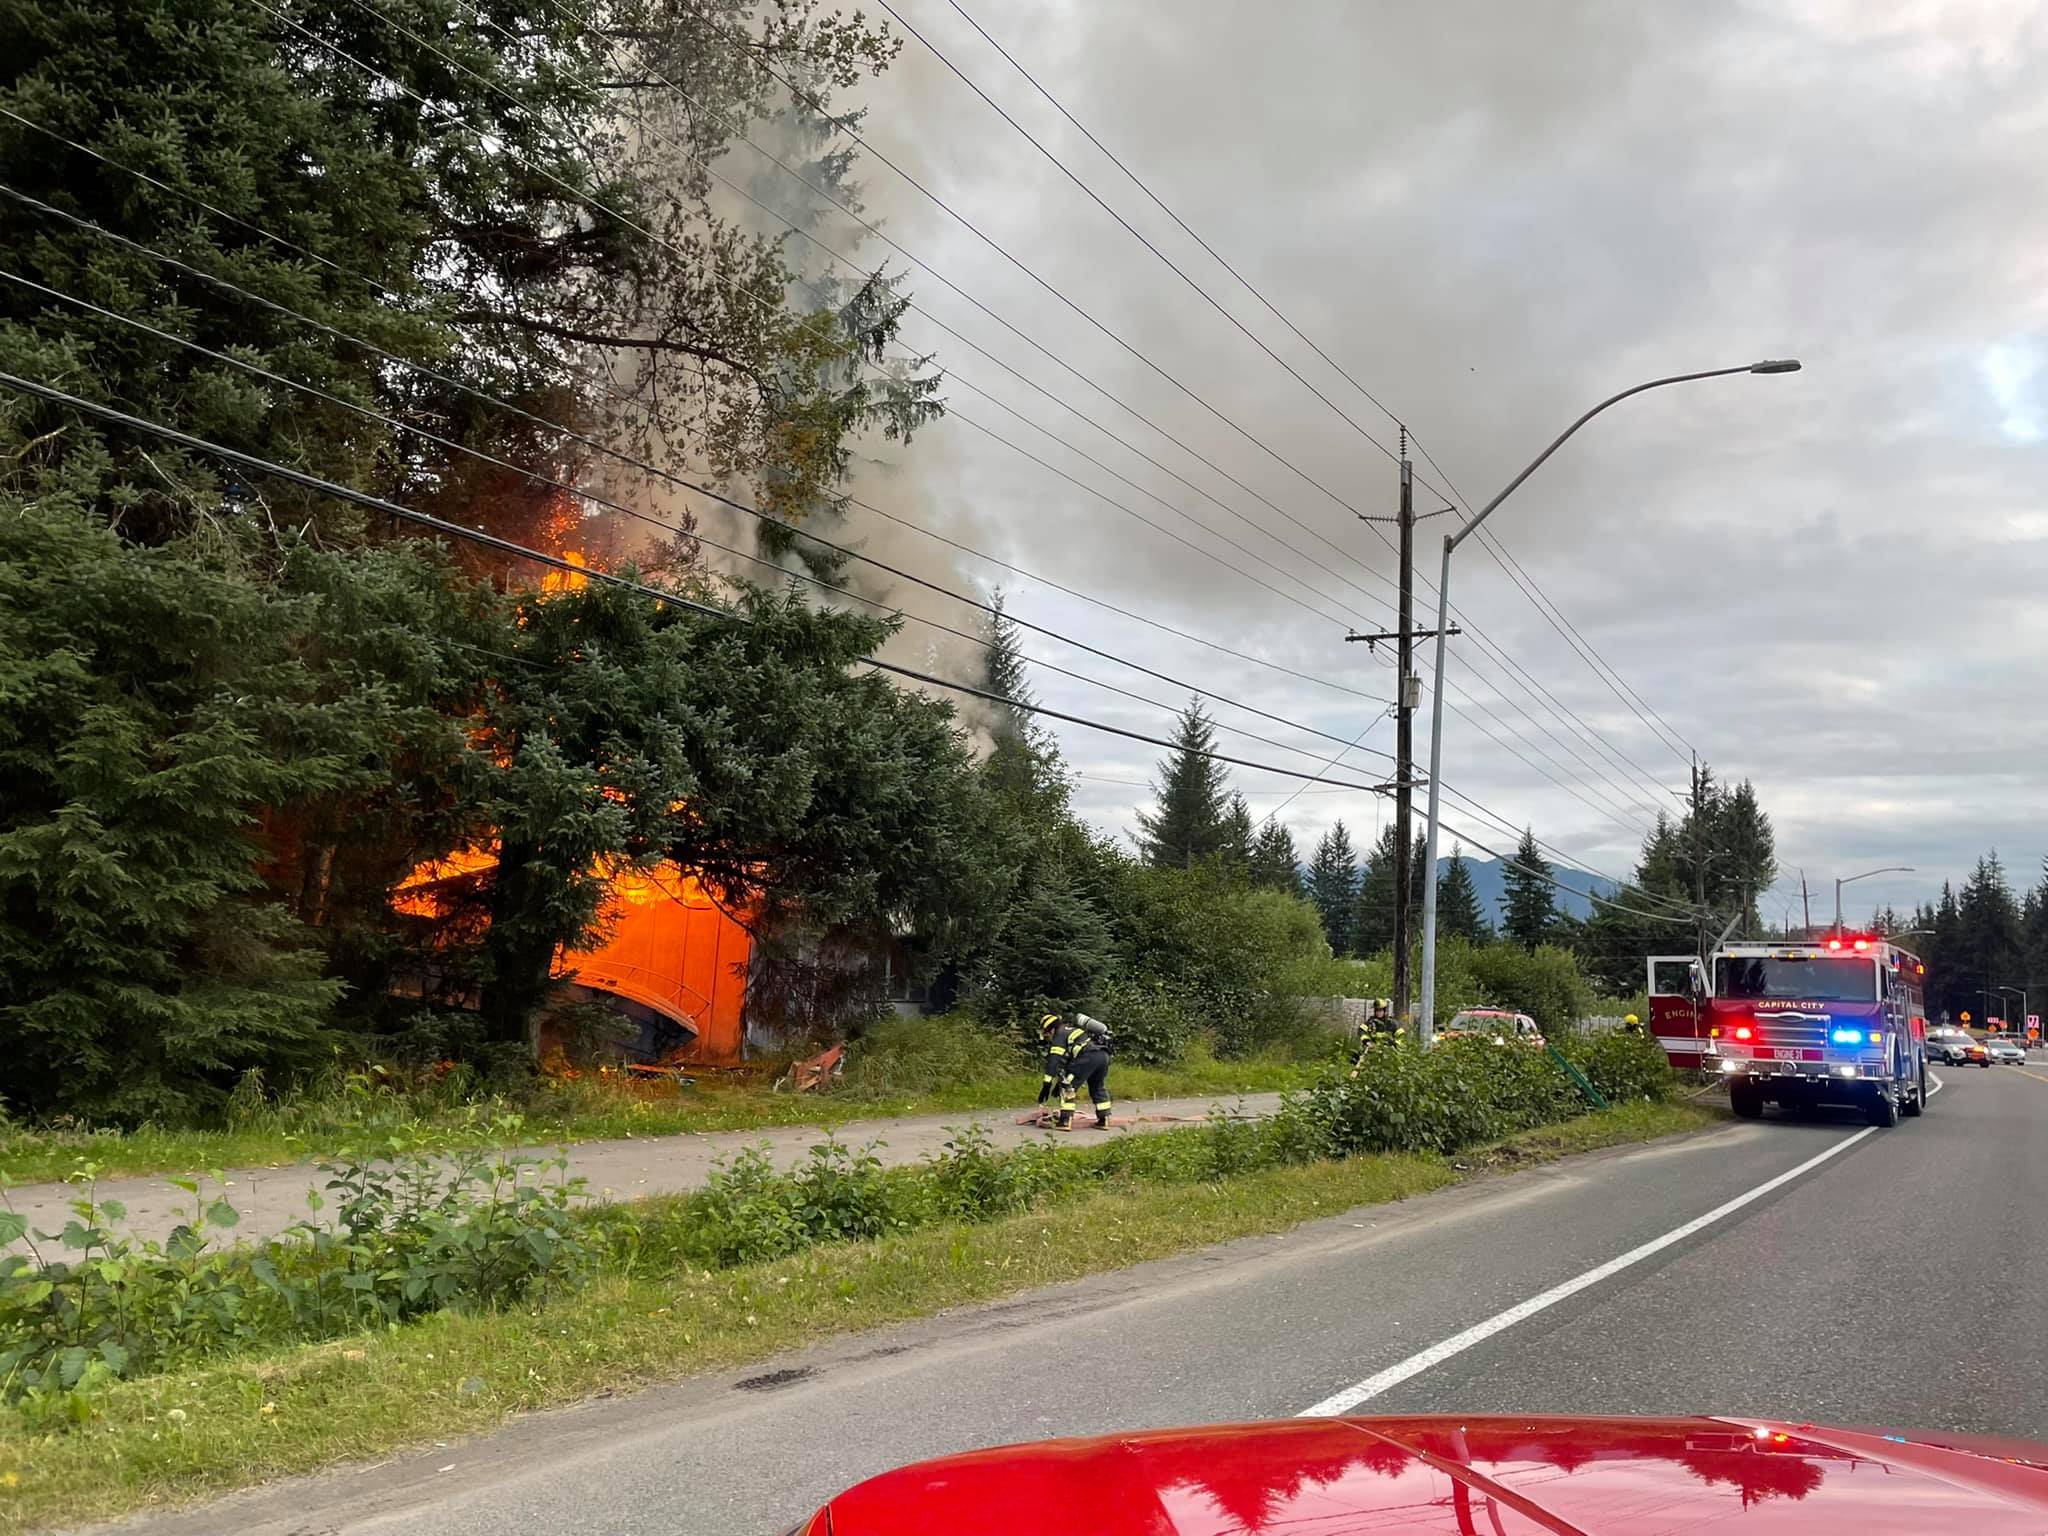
{"x":567,"y":581}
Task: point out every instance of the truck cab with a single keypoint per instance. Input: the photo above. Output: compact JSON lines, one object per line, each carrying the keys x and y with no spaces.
{"x":1835,"y":1021}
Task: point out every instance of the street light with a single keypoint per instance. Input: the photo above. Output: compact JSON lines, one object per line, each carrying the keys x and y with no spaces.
{"x":1425,"y":1017}
{"x":1889,"y":869}
{"x":2021,"y":1028}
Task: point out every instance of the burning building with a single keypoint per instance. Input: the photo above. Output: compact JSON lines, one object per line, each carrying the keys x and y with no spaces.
{"x":673,"y":964}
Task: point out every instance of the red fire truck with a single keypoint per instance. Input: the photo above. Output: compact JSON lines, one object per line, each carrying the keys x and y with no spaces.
{"x":1839,"y":1020}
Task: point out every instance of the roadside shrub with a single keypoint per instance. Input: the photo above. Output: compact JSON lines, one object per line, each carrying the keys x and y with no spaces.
{"x":842,"y":1195}
{"x":421,"y":1233}
{"x":971,"y":1181}
{"x":746,"y":1212}
{"x":1621,"y":1065}
{"x":415,"y":1234}
{"x":1402,"y":1099}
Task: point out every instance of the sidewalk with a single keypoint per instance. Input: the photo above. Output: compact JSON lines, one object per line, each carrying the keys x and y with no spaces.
{"x":271,"y":1199}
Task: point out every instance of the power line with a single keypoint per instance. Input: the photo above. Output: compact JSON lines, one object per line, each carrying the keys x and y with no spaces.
{"x":1657,"y":724}
{"x":1138,"y":234}
{"x":601,"y":500}
{"x":259,"y":465}
{"x":1551,"y":880}
{"x":1547,"y":606}
{"x":808,"y":236}
{"x":585,"y":198}
{"x":1166,"y":260}
{"x":391,"y":294}
{"x":1158,"y":202}
{"x":811,"y":100}
{"x":589,"y":201}
{"x":805,"y":234}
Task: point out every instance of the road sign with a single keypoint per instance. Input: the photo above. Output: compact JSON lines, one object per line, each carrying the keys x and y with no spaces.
{"x":2034,"y":1024}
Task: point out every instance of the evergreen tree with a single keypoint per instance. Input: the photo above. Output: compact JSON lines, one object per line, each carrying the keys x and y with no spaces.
{"x":1375,"y":927}
{"x":1529,"y":901}
{"x":1235,"y":849}
{"x":1987,"y":950}
{"x":1024,"y":766}
{"x":1275,"y":864}
{"x":1333,"y":887}
{"x":155,"y":704}
{"x":1457,"y":903}
{"x":1188,"y":824}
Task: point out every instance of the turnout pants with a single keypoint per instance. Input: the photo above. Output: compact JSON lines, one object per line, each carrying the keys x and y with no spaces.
{"x":1091,"y":1066}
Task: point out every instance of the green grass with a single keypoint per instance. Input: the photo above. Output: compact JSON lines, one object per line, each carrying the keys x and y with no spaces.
{"x":206,"y":1430}
{"x":893,"y":1082}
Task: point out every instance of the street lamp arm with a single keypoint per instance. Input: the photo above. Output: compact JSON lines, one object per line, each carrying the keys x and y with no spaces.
{"x":1426,"y":1014}
{"x":1559,"y":441}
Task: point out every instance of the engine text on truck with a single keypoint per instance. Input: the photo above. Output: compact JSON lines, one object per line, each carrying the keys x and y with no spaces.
{"x":1838,"y":1021}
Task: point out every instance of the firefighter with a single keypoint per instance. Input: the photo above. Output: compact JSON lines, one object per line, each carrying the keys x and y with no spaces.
{"x":1087,"y":1062}
{"x":1631,"y":1025}
{"x":1378,"y":1025}
{"x":1062,"y":1042}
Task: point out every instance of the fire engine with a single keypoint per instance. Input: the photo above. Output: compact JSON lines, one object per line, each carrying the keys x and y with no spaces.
{"x":1839,"y":1020}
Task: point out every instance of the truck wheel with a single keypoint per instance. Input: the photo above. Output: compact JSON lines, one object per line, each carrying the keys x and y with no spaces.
{"x":1884,"y":1110}
{"x":1916,"y":1101}
{"x":1747,"y":1102}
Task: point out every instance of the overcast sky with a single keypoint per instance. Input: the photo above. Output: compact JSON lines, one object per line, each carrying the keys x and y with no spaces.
{"x":1492,"y":216}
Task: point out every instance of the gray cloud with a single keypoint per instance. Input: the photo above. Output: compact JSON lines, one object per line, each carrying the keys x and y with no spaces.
{"x":1493,"y":216}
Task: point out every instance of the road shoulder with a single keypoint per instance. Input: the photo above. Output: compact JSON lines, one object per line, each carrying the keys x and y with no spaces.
{"x":362,"y":1400}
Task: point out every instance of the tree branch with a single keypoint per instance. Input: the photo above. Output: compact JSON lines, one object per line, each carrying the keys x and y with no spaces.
{"x":538,"y":326}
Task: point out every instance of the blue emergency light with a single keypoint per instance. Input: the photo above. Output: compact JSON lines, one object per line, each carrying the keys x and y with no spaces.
{"x":1847,"y":1037}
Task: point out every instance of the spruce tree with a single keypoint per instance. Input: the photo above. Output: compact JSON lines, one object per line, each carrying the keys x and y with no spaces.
{"x":1529,"y":903}
{"x":1275,"y":864}
{"x":1236,"y":848}
{"x":1333,"y":888}
{"x":1457,"y":903}
{"x":1375,"y":930}
{"x":1188,"y":824}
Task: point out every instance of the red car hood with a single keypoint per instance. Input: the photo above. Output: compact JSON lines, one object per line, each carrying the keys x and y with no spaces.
{"x":1465,"y":1477}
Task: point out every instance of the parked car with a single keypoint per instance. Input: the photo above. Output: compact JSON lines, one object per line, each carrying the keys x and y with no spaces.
{"x":2005,"y":1050}
{"x":1500,"y":1025}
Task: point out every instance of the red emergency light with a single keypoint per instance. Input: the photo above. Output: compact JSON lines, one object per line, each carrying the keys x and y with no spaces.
{"x":1743,"y":1032}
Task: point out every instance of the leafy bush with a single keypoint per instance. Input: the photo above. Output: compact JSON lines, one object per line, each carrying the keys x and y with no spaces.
{"x":1402,"y":1099}
{"x":415,"y":1234}
{"x":1621,"y":1065}
{"x":1544,"y":983}
{"x":1152,"y":1022}
{"x":749,"y":1211}
{"x":971,"y":1181}
{"x":841,"y":1195}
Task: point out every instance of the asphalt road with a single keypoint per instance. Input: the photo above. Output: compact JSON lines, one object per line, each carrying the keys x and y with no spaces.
{"x":270,"y":1200}
{"x":1879,"y":1285}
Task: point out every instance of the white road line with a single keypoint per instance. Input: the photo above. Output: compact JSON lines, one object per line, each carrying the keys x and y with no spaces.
{"x":1458,"y":1343}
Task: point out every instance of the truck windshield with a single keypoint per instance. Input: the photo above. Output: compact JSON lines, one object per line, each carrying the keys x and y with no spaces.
{"x":1830,"y":979}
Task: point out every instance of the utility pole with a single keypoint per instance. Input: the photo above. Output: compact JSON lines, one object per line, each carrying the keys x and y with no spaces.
{"x":1805,"y":909}
{"x":1699,"y":858}
{"x":1404,"y":737}
{"x":1407,"y":696}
